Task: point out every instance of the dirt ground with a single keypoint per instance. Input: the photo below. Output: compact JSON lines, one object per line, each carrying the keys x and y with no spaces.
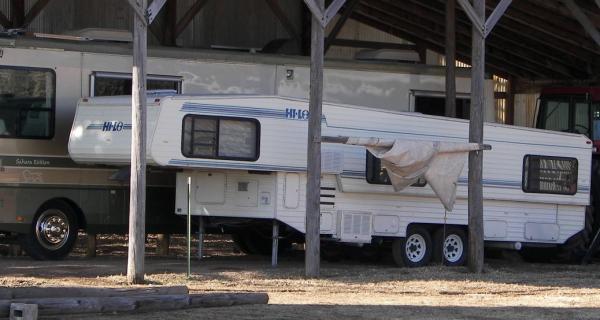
{"x":508,"y":289}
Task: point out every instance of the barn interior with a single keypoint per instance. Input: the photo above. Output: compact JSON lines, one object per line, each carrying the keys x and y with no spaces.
{"x":536,"y":44}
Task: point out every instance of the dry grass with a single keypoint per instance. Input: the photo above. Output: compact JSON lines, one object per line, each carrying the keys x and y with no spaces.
{"x":346,"y":290}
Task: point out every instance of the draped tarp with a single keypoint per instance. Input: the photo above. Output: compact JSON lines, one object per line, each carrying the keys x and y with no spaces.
{"x":440,"y":163}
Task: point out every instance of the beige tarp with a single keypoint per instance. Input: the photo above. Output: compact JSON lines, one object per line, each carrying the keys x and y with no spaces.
{"x":440,"y":163}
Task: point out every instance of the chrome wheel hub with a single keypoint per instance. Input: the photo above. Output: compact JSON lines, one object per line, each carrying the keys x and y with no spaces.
{"x":52,"y":229}
{"x":453,"y":248}
{"x":415,"y":248}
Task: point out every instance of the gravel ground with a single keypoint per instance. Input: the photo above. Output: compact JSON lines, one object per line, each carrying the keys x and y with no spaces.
{"x":508,"y":289}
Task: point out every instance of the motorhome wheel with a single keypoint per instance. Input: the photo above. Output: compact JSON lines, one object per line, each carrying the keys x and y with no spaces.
{"x":53,"y":232}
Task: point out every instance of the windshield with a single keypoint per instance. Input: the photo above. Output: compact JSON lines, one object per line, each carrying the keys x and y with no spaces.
{"x":566,"y":114}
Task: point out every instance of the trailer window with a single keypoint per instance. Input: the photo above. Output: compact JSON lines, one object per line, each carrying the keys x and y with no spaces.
{"x":27,"y":102}
{"x":376,"y":174}
{"x":115,"y":84}
{"x":220,"y":138}
{"x":543,"y":174}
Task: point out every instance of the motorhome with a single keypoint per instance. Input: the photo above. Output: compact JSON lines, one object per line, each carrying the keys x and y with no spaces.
{"x":45,"y":197}
{"x":246,"y":159}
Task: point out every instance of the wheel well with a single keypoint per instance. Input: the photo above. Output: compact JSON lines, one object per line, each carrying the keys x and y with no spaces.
{"x":431,"y":227}
{"x":82,"y":223}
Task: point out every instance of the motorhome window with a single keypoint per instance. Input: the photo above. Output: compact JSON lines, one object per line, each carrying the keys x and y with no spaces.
{"x":376,"y":174}
{"x":436,"y":106}
{"x":27,"y":102}
{"x":544,"y":174}
{"x":114,"y":84}
{"x":220,"y":138}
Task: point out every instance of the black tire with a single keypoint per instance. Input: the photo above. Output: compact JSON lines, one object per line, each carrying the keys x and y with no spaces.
{"x":239,"y":242}
{"x":574,"y":249}
{"x":253,"y":242}
{"x":452,"y":249}
{"x":52,"y":233}
{"x":413,"y":251}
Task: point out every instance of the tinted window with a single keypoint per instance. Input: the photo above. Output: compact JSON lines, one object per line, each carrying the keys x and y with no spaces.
{"x":376,"y":174}
{"x":115,"y":84}
{"x":27,"y":98}
{"x":542,"y":174}
{"x":554,"y":115}
{"x":220,"y":137}
{"x":436,"y":106}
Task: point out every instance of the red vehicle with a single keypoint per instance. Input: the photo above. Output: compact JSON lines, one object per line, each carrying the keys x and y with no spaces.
{"x":576,"y":110}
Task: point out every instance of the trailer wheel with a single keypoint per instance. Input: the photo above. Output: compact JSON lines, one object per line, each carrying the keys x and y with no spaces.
{"x":452,"y":249}
{"x":52,"y":233}
{"x":415,"y":250}
{"x":575,"y":248}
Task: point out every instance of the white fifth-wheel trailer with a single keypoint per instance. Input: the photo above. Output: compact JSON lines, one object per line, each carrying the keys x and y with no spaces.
{"x":246,"y":157}
{"x":46,"y":198}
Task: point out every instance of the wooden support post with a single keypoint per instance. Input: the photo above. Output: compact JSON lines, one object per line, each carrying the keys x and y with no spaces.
{"x":510,"y":102}
{"x":91,"y":245}
{"x":313,"y":184}
{"x":476,"y":136}
{"x":275,"y":244}
{"x":450,"y":110}
{"x":137,"y":198}
{"x":162,"y":247}
{"x":17,"y":13}
{"x":201,"y":232}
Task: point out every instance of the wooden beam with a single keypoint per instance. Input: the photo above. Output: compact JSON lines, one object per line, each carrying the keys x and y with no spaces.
{"x":511,"y":43}
{"x":170,"y":24}
{"x":542,"y":26}
{"x":340,"y":23}
{"x":412,"y":36}
{"x":450,"y":108}
{"x":35,"y":10}
{"x":408,"y":21}
{"x":282,"y":17}
{"x":188,"y":17}
{"x":585,"y":22}
{"x":371,"y":44}
{"x":495,"y":16}
{"x":137,"y":195}
{"x":313,"y":184}
{"x":17,"y":13}
{"x":475,"y":192}
{"x":7,"y":24}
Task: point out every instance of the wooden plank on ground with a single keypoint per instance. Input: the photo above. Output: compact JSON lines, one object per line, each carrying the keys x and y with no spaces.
{"x":143,"y":303}
{"x":66,"y":292}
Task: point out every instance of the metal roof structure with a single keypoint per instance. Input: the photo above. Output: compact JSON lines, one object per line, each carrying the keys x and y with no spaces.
{"x":533,"y":40}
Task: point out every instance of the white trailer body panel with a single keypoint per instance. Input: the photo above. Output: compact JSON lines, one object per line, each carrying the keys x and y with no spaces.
{"x":350,"y":205}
